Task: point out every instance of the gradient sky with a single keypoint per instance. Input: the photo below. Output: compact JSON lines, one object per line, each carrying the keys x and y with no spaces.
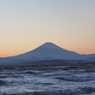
{"x":26,"y":24}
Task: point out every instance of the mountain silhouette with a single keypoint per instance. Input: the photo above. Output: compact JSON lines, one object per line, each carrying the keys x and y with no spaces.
{"x":50,"y":50}
{"x":47,"y":51}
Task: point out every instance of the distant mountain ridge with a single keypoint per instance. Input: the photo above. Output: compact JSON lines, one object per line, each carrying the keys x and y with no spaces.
{"x":50,"y":50}
{"x":47,"y":51}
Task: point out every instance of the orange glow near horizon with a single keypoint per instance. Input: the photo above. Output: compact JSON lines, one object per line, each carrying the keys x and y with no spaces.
{"x":14,"y":52}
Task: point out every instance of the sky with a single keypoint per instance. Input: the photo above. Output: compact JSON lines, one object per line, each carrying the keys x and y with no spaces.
{"x":27,"y":24}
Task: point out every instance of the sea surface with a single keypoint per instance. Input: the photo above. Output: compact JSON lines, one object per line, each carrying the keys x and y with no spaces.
{"x":47,"y":80}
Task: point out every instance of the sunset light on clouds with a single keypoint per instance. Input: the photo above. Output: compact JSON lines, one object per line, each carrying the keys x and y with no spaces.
{"x":27,"y":24}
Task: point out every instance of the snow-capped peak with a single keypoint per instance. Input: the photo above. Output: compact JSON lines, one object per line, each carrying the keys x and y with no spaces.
{"x":49,"y":45}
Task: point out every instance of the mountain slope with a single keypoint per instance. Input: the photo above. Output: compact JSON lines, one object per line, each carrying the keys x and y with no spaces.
{"x":50,"y":50}
{"x":45,"y":52}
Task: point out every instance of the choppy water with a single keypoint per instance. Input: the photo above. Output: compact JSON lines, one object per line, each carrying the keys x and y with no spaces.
{"x":59,"y":80}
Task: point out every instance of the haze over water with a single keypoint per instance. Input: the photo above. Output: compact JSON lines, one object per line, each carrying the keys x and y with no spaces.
{"x":26,"y":24}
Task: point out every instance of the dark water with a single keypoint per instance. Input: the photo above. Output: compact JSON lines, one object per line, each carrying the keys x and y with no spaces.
{"x":47,"y":80}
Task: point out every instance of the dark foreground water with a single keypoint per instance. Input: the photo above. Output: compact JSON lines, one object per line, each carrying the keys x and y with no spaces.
{"x":47,"y":80}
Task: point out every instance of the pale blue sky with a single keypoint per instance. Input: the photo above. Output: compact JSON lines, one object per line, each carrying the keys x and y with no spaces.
{"x":26,"y":24}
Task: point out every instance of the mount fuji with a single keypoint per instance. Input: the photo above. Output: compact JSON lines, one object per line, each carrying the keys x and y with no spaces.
{"x":46,"y":51}
{"x":50,"y":50}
